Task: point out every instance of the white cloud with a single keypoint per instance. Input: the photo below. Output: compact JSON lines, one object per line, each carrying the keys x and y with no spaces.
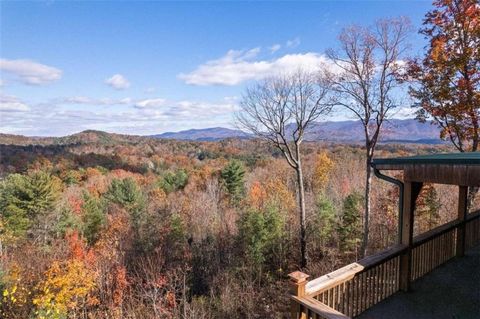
{"x":55,"y":119}
{"x":118,"y":82}
{"x":274,"y":48}
{"x":231,"y":99}
{"x":293,"y":43}
{"x":404,"y":113}
{"x":85,"y":100}
{"x":9,"y":103}
{"x":238,"y":66}
{"x":202,"y":109}
{"x":92,"y":101}
{"x":30,"y":72}
{"x":149,"y":103}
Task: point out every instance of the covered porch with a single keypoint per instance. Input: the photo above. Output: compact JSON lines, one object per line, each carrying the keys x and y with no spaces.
{"x":406,"y":269}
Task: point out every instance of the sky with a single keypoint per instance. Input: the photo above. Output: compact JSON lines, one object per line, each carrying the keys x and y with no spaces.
{"x":144,"y":68}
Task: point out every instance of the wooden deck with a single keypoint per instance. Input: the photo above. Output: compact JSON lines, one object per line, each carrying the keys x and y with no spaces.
{"x":447,"y":280}
{"x":370,"y":288}
{"x":452,"y":291}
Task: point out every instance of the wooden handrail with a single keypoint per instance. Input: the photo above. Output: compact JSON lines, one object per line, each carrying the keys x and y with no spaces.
{"x":319,"y":308}
{"x":445,"y":228}
{"x":473,"y":215}
{"x":377,"y":259}
{"x":332,"y":279}
{"x":346,"y":273}
{"x":429,"y":235}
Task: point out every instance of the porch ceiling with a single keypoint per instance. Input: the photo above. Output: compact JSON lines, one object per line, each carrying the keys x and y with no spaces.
{"x":454,"y":168}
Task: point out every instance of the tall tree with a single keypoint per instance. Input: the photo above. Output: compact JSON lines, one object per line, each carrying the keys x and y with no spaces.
{"x":232,"y":178}
{"x":349,"y":227}
{"x":365,"y":78}
{"x":321,"y":171}
{"x":25,"y":199}
{"x":127,"y":193}
{"x":446,"y":81}
{"x":94,"y":217}
{"x":280,"y":110}
{"x":427,"y":208}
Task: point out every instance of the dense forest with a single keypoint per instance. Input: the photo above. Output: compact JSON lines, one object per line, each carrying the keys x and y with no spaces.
{"x":99,"y":225}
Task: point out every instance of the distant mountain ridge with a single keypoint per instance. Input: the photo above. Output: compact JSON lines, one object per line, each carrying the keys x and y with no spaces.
{"x":409,"y":130}
{"x":207,"y":134}
{"x":395,"y":131}
{"x":403,"y":131}
{"x":84,"y":137}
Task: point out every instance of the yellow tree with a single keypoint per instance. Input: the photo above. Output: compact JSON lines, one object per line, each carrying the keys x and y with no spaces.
{"x":321,"y":172}
{"x":67,"y":284}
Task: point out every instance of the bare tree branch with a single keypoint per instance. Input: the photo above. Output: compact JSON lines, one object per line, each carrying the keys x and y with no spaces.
{"x":368,"y":64}
{"x":280,"y":110}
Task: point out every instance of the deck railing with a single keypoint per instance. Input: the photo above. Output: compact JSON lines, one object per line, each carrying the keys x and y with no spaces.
{"x":350,"y":290}
{"x":433,"y":248}
{"x":472,"y":231}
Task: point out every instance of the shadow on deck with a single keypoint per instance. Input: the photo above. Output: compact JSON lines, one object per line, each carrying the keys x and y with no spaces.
{"x":452,"y":291}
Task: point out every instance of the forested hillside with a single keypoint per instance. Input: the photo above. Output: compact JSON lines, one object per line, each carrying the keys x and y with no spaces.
{"x":99,"y":225}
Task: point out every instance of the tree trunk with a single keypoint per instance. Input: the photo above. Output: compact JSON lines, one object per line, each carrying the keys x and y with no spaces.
{"x":301,"y":202}
{"x":363,"y":250}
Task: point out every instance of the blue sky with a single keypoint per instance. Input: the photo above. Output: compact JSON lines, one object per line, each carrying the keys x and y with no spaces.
{"x":150,"y":67}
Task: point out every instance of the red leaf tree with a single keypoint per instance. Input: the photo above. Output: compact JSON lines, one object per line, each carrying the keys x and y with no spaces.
{"x":447,"y":79}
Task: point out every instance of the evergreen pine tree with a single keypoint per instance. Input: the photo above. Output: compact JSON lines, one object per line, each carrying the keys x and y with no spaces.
{"x":127,"y":193}
{"x":93,"y":217}
{"x":260,"y":233}
{"x":323,"y":224}
{"x":427,"y":210}
{"x":24,"y":198}
{"x":232,"y":178}
{"x":350,"y":226}
{"x":173,"y":181}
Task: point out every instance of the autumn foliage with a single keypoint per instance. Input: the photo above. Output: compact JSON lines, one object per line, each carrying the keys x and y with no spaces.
{"x":211,"y":237}
{"x":100,"y":225}
{"x":446,"y":80}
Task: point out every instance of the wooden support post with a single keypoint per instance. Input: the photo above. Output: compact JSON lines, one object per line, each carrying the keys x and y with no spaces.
{"x":462,"y":215}
{"x":411,"y":192}
{"x":298,"y":281}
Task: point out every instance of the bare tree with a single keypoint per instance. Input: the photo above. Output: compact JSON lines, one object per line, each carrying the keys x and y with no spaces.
{"x":365,"y":80}
{"x":279,"y":110}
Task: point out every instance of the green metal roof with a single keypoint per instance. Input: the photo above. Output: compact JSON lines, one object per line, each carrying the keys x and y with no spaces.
{"x":472,"y":158}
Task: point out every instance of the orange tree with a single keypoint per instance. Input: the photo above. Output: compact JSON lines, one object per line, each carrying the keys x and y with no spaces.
{"x":68,"y":284}
{"x":447,"y":78}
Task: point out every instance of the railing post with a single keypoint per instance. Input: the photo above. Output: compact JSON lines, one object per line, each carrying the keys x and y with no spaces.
{"x":411,"y":192}
{"x":462,"y":215}
{"x":298,"y":281}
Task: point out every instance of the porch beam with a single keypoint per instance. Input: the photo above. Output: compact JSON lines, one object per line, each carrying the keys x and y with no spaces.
{"x":411,"y":192}
{"x":462,"y":216}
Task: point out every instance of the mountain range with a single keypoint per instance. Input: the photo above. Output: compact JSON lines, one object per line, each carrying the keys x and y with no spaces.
{"x":404,"y":131}
{"x":395,"y":131}
{"x":207,"y":134}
